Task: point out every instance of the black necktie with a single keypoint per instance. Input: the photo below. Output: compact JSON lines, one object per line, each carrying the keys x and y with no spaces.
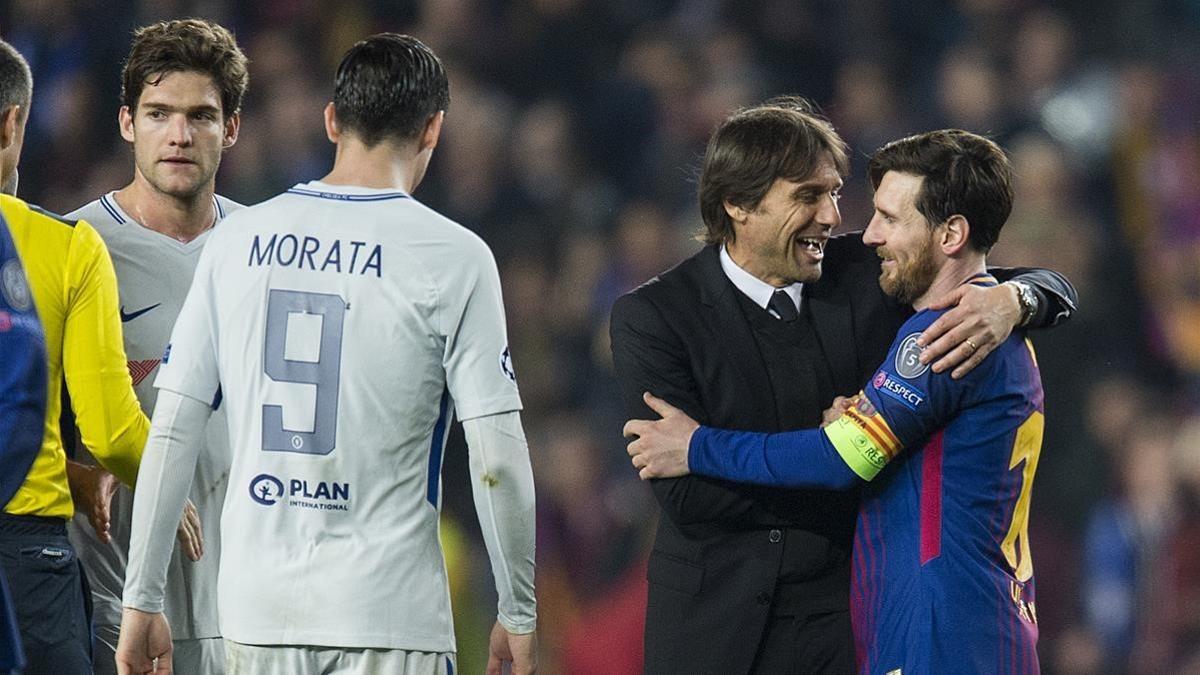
{"x":781,"y":303}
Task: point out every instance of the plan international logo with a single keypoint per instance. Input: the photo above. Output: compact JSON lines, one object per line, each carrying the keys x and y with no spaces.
{"x":321,"y":495}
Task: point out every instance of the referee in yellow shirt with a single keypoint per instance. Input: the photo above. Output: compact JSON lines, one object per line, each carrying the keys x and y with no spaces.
{"x":74,"y":292}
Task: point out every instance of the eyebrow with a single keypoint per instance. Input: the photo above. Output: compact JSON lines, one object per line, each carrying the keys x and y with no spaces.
{"x":815,"y":187}
{"x":171,"y":108}
{"x":885,"y":211}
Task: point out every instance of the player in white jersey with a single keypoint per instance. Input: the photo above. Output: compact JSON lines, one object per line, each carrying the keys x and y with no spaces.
{"x":182,"y":88}
{"x":345,"y":325}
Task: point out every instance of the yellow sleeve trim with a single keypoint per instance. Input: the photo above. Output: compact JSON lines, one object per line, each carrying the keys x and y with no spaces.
{"x":862,"y":454}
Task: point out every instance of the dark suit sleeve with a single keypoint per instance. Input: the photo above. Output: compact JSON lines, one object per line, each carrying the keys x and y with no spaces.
{"x":1057,"y":297}
{"x":650,"y":356}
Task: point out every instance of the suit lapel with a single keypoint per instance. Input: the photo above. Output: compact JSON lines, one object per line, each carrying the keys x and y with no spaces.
{"x":729,"y":324}
{"x":833,"y":322}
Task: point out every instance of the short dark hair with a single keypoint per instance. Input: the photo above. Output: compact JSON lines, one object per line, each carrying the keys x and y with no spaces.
{"x":965,"y":174}
{"x":781,"y":138}
{"x":16,"y":82}
{"x":389,"y":85}
{"x":185,"y":45}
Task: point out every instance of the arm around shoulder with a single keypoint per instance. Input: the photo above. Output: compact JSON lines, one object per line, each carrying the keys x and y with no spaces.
{"x":1055,"y":297}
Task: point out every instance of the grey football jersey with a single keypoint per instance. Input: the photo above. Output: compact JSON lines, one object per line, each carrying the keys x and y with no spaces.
{"x":379,"y":321}
{"x":154,"y":272}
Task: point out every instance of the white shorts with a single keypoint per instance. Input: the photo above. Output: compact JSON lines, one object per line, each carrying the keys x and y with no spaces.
{"x":203,"y":657}
{"x":242,"y":659}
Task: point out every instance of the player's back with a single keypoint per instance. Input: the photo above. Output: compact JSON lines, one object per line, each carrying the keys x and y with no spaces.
{"x":347,"y":331}
{"x":943,"y":577}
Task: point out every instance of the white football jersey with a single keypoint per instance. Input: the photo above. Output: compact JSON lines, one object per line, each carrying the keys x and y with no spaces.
{"x":343,"y":328}
{"x":154,"y":272}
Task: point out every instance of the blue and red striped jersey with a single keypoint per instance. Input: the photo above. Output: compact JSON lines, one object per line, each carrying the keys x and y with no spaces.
{"x":943,"y":579}
{"x":22,"y":407}
{"x":22,"y":371}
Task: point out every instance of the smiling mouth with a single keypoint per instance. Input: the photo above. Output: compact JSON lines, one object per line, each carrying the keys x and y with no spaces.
{"x":814,"y":246}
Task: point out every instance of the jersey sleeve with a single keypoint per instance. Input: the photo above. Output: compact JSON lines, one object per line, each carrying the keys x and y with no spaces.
{"x":502,"y":486}
{"x":804,"y":458}
{"x":189,"y":363}
{"x":903,"y":403}
{"x":478,"y":364}
{"x":111,"y":423}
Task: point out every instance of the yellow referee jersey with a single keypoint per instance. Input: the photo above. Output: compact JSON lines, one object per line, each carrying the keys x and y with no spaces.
{"x":75,"y":292}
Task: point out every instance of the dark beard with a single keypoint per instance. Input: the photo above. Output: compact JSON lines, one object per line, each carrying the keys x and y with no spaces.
{"x":912,"y":280}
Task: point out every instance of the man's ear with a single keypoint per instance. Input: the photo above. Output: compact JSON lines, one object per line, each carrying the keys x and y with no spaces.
{"x":956,"y":233}
{"x":736,"y":213}
{"x":432,"y":131}
{"x":333,"y":130}
{"x":125,"y":123}
{"x":9,"y":122}
{"x":232,"y":125}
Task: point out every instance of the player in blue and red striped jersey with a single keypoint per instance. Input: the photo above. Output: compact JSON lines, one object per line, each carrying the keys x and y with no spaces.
{"x":22,"y":407}
{"x":943,"y":580}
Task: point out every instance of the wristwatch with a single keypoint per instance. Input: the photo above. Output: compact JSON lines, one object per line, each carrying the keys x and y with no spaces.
{"x":1028,"y":300}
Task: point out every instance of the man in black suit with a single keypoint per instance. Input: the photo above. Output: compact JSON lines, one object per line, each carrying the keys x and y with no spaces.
{"x":761,"y":330}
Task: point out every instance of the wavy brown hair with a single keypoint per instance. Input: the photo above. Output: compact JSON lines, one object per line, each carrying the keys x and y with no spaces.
{"x":185,"y":45}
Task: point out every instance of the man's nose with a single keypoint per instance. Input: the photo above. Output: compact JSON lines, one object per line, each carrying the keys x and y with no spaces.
{"x":871,"y":236}
{"x":828,"y":213}
{"x":180,"y":130}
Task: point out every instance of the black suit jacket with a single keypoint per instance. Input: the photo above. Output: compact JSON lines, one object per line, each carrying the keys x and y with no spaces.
{"x":713,"y":569}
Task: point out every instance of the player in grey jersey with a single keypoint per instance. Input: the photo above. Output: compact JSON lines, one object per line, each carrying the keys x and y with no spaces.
{"x":340,"y":378}
{"x":182,"y":88}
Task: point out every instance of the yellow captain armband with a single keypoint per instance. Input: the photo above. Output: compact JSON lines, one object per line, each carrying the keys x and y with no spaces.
{"x":863,"y":438}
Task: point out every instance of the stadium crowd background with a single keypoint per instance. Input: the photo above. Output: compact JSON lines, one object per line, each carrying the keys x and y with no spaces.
{"x":571,"y":141}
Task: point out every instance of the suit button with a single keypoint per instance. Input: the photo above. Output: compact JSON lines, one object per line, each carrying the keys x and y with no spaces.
{"x":763,"y":598}
{"x":775,"y":536}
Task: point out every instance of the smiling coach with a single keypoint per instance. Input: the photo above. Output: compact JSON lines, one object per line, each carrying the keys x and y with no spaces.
{"x":761,"y":330}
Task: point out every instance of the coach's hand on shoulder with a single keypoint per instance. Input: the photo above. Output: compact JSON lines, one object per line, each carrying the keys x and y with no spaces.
{"x":145,"y":643}
{"x":659,"y":448}
{"x":92,"y":490}
{"x":190,"y":536}
{"x":520,"y":651}
{"x":980,"y":319}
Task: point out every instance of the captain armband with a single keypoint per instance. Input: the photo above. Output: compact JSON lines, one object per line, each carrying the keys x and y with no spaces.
{"x":865,"y":441}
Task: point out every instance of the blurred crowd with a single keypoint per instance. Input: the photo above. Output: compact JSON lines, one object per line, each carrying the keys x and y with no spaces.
{"x":571,"y":145}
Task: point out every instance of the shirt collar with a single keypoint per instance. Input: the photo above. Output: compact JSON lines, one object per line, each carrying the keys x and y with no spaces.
{"x":754,"y":288}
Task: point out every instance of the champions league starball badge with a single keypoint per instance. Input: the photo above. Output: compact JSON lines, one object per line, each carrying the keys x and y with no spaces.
{"x":908,"y":358}
{"x":14,"y":286}
{"x":506,"y":365}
